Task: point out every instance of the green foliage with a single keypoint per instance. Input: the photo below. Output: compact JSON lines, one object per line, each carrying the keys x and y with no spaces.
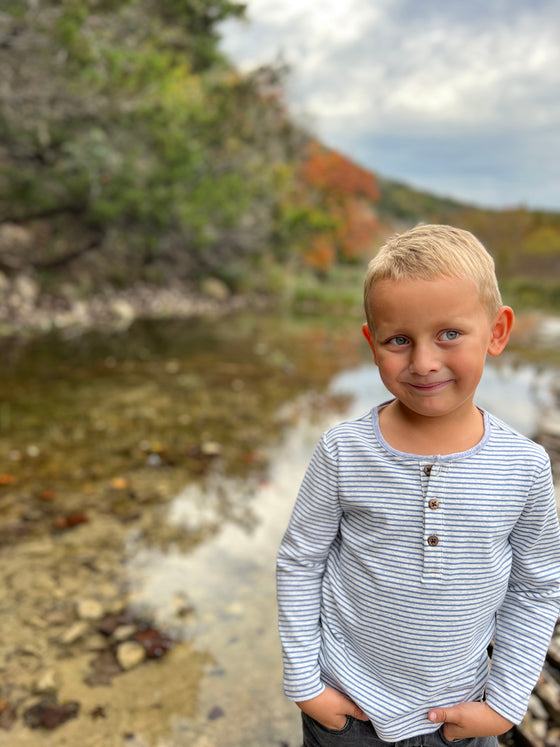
{"x":135,"y":129}
{"x":544,"y":240}
{"x":529,"y":294}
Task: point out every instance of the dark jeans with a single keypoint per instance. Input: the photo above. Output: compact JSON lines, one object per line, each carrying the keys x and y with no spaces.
{"x":362,"y":734}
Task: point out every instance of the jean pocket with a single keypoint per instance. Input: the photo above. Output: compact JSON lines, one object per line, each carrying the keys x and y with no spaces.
{"x":335,"y":732}
{"x":347,"y":726}
{"x":455,"y":742}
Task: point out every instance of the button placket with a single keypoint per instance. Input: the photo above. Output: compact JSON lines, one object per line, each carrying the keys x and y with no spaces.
{"x":433,"y":522}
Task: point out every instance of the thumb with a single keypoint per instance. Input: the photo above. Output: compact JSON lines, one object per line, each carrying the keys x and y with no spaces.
{"x":441,"y":715}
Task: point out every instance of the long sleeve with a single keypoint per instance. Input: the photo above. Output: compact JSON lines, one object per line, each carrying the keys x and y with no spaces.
{"x":526,"y":619}
{"x":300,"y":567}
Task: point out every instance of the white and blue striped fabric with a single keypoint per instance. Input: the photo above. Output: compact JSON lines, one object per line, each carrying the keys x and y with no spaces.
{"x":397,"y":571}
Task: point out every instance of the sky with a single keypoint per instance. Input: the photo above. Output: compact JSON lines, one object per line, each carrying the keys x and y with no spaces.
{"x":460,"y":98}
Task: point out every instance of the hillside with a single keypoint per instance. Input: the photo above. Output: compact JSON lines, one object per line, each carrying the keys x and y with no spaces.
{"x":525,"y":243}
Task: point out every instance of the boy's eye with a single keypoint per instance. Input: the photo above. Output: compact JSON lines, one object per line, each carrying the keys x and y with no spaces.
{"x":449,"y":335}
{"x":398,"y":340}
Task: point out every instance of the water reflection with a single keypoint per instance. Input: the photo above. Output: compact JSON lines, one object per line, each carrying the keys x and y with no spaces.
{"x":227,"y":583}
{"x":230,"y":584}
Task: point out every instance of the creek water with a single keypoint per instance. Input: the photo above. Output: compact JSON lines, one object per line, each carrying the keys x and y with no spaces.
{"x":191,"y":437}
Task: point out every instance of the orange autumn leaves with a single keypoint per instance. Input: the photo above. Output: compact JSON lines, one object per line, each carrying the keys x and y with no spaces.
{"x":346,"y":192}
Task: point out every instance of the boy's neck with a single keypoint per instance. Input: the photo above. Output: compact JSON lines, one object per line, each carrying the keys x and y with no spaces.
{"x":411,"y":433}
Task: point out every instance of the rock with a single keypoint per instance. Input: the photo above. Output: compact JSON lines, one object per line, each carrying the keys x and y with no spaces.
{"x":111,"y":622}
{"x":553,"y":737}
{"x":122,"y":311}
{"x":103,"y":668}
{"x":49,"y":713}
{"x":215,"y":289}
{"x":95,"y":642}
{"x":537,"y":709}
{"x":216,"y":712}
{"x":8,"y":713}
{"x":14,"y":236}
{"x":123,"y":632}
{"x":554,"y":649}
{"x":74,"y":633}
{"x":549,"y":692}
{"x":211,"y":449}
{"x":538,"y":729}
{"x":37,"y":622}
{"x":47,"y":683}
{"x":154,"y":642}
{"x":27,"y":289}
{"x":154,"y":460}
{"x":36,"y":648}
{"x":89,"y":609}
{"x":130,"y":654}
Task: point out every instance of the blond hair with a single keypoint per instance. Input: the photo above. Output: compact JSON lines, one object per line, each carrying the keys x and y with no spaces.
{"x":427,"y":252}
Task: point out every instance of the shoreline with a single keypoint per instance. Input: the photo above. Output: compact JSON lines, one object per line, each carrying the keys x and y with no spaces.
{"x":26,"y":313}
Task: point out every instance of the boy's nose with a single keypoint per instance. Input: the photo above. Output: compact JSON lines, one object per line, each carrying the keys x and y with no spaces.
{"x":423,"y":360}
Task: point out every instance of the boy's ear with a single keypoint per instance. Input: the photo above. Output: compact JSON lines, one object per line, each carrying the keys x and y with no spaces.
{"x":501,"y":330}
{"x":367,"y":335}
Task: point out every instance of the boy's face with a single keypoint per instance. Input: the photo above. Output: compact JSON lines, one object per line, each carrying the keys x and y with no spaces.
{"x":430,"y":339}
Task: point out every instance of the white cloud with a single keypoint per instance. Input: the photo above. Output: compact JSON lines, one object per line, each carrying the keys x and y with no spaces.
{"x":484,"y":72}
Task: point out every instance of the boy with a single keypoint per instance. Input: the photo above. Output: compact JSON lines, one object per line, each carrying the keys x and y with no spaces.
{"x":425,"y":529}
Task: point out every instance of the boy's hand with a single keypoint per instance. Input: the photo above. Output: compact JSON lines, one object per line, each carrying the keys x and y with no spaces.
{"x":467,"y":720}
{"x":331,"y":708}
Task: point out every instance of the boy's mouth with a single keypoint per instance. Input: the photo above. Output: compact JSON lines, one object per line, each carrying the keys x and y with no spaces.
{"x":429,"y":387}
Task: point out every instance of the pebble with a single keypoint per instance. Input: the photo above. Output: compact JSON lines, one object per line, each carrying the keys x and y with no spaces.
{"x":37,"y":648}
{"x":553,"y":737}
{"x":123,"y":632}
{"x":89,"y":609}
{"x":549,"y":691}
{"x":536,"y":708}
{"x":130,"y":654}
{"x":215,"y":289}
{"x":38,"y":622}
{"x":554,"y":647}
{"x":538,"y":728}
{"x":47,"y":683}
{"x":39,"y":548}
{"x":96,"y":642}
{"x":215,"y":713}
{"x":211,"y":448}
{"x":74,"y":632}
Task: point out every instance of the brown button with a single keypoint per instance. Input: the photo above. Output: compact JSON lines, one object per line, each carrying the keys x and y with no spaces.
{"x":433,"y":503}
{"x":427,"y":469}
{"x":433,"y":540}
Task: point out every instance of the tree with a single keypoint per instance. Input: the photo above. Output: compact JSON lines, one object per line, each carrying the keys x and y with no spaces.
{"x":129,"y":145}
{"x":345,"y":194}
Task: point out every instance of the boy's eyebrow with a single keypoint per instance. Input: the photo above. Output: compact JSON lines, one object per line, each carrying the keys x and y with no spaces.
{"x":447,"y":323}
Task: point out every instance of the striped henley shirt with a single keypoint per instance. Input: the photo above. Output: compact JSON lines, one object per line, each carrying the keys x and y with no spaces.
{"x":397,"y":571}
